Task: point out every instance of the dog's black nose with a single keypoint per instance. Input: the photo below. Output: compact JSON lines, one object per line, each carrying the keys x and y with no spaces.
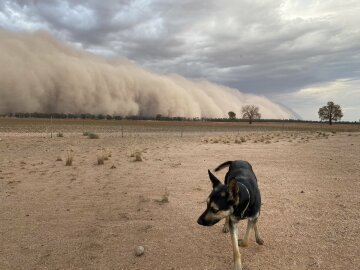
{"x":200,"y":221}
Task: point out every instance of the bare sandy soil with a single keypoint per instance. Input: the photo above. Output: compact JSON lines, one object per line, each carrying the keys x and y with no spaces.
{"x":89,"y":216}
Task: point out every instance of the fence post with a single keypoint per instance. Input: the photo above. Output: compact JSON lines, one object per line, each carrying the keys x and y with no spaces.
{"x":51,"y":128}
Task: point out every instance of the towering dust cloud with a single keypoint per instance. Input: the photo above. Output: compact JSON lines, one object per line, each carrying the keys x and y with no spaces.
{"x":39,"y":74}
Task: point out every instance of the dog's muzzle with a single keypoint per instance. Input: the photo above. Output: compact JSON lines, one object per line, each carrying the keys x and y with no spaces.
{"x":202,"y":220}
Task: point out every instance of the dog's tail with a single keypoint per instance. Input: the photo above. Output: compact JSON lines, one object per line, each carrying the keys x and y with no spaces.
{"x":222,"y":166}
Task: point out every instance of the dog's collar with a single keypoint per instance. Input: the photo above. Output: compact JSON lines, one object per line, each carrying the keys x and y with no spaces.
{"x":243,"y":212}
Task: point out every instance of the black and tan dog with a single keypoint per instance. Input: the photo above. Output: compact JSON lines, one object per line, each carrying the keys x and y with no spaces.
{"x":237,"y":199}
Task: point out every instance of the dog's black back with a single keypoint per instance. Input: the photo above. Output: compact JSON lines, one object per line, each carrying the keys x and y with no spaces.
{"x":242,"y":171}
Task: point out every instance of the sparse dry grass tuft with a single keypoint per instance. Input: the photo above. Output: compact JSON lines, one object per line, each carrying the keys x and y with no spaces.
{"x":69,"y":159}
{"x":60,"y":135}
{"x":100,"y":160}
{"x":93,"y":136}
{"x":164,"y":198}
{"x":137,"y":155}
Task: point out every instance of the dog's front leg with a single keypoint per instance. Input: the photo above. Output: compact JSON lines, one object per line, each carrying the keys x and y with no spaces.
{"x":244,"y":242}
{"x":234,"y":242}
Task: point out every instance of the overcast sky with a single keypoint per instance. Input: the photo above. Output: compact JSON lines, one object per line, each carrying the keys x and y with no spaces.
{"x":300,"y":53}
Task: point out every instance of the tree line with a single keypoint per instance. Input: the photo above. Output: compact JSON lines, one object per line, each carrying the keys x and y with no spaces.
{"x":330,"y":112}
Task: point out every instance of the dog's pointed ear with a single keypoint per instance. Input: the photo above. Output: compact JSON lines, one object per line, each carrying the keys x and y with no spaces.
{"x":233,"y":190}
{"x":215,"y":182}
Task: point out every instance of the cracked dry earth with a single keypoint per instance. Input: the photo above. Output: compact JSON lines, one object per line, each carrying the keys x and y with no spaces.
{"x":89,"y":216}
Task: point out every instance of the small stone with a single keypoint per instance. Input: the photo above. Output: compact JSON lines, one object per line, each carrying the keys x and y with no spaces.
{"x":139,"y":251}
{"x":302,"y":191}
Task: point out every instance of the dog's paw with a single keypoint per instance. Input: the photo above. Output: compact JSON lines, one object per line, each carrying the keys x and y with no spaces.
{"x":259,"y":241}
{"x":237,"y":266}
{"x":242,"y":243}
{"x":225,"y":229}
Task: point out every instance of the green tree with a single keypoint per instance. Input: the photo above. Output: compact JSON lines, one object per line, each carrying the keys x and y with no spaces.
{"x":232,"y":115}
{"x":330,"y":112}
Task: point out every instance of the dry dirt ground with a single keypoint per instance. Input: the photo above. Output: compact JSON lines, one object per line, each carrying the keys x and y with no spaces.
{"x":89,"y":216}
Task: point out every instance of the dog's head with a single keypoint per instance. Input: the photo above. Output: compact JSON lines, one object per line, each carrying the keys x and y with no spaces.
{"x":220,"y":202}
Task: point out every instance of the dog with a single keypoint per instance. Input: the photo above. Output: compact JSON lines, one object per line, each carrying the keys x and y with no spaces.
{"x":239,"y":198}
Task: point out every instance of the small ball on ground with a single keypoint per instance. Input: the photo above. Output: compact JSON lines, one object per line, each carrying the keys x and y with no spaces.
{"x":139,"y":251}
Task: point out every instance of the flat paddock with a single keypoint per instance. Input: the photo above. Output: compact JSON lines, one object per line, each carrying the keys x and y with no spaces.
{"x":89,"y":216}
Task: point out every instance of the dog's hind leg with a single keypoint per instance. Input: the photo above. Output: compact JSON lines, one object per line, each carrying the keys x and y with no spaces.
{"x":234,"y":241}
{"x":244,"y":242}
{"x":226,"y":225}
{"x":257,"y":234}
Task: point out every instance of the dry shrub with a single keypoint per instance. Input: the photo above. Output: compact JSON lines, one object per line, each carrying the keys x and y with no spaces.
{"x":137,"y":155}
{"x":113,"y":166}
{"x":60,"y":135}
{"x":69,"y":159}
{"x":93,"y":136}
{"x":100,"y":160}
{"x":164,"y":198}
{"x":86,"y":133}
{"x":58,"y":159}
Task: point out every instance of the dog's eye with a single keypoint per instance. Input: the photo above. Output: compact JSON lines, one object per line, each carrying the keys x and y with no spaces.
{"x":214,"y":210}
